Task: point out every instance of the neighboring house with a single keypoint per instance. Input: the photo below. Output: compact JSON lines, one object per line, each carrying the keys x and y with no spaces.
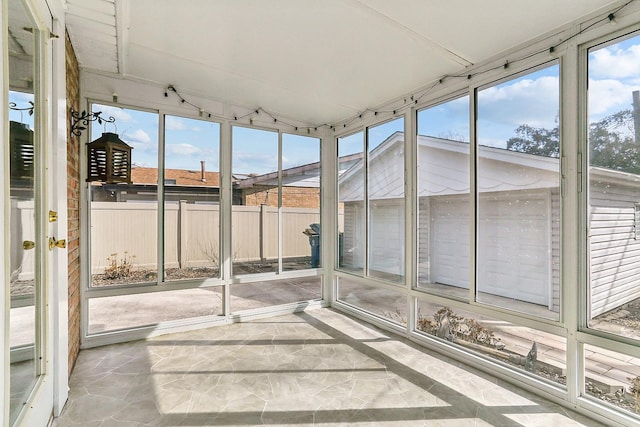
{"x":301,"y":187}
{"x":519,"y":227}
{"x":194,"y":186}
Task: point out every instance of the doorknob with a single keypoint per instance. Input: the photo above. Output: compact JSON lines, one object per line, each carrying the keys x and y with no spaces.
{"x":28,"y":244}
{"x":62,"y":243}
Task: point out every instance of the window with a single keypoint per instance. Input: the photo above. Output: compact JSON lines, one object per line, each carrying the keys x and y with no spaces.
{"x":443,"y":198}
{"x":371,"y":202}
{"x":518,"y":190}
{"x":276,"y":198}
{"x":614,"y":184}
{"x":191,"y":199}
{"x":276,"y":216}
{"x":385,"y":196}
{"x":256,"y":196}
{"x":300,"y":207}
{"x":540,"y":353}
{"x":351,"y":208}
{"x":124,"y":215}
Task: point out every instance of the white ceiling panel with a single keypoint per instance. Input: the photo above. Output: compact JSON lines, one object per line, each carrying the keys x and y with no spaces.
{"x":477,"y":30}
{"x":92,"y":28}
{"x":316,"y":61}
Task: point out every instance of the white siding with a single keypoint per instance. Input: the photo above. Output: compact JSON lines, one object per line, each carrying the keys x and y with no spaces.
{"x":386,"y":242}
{"x":614,"y":251}
{"x":555,"y":249}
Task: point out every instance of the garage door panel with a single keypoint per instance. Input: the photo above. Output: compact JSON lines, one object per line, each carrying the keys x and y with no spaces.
{"x":450,"y":257}
{"x":514,"y":244}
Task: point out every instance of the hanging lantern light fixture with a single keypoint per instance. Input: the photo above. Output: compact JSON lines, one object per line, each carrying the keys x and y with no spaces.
{"x":109,"y":160}
{"x":108,"y":157}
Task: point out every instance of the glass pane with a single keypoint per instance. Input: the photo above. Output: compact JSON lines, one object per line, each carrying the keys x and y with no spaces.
{"x":540,"y":353}
{"x":130,"y":311}
{"x":24,"y":276}
{"x":247,"y":296}
{"x":612,"y":377}
{"x":255,"y":201}
{"x":614,"y":189}
{"x":443,"y":204}
{"x":192,"y":199}
{"x":300,"y":202}
{"x":351,"y":212}
{"x":518,"y":240}
{"x":379,"y":301}
{"x":385,"y":189}
{"x":124,"y":214}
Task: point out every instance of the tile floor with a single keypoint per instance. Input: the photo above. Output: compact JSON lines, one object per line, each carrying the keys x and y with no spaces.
{"x":318,"y":367}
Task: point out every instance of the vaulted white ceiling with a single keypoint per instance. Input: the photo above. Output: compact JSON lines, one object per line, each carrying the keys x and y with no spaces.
{"x":316,"y":61}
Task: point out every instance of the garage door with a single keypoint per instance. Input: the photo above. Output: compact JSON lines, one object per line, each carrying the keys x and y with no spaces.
{"x":514,"y":249}
{"x":450,"y":241}
{"x":386,"y":241}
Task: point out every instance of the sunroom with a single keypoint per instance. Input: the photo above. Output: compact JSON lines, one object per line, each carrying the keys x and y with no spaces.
{"x":305,"y":210}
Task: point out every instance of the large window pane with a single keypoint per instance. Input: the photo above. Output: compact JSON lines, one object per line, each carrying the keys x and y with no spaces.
{"x":540,"y":353}
{"x":379,"y":301}
{"x":124,"y":215}
{"x":612,"y":377}
{"x":351,"y":210}
{"x":248,"y":296}
{"x":443,"y":198}
{"x":518,"y":241}
{"x":614,"y":188}
{"x":255,"y":201}
{"x":22,"y":195}
{"x":300,"y":211}
{"x":385,"y":190}
{"x":137,"y":310}
{"x":192,"y":198}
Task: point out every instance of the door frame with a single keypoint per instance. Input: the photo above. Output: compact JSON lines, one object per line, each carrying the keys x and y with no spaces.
{"x":51,"y":390}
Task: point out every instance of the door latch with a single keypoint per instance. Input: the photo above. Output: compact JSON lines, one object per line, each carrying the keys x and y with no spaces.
{"x":53,"y":243}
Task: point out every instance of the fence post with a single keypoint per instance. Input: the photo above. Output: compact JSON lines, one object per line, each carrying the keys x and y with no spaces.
{"x":182,"y":234}
{"x":263,"y":228}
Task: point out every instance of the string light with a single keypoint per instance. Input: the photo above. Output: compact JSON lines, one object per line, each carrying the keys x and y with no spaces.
{"x":413,"y":99}
{"x":550,"y":51}
{"x":249,"y":115}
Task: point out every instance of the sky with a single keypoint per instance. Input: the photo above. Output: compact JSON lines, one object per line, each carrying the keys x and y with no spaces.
{"x":189,"y":141}
{"x":533,"y":99}
{"x":21,"y":100}
{"x":614,"y":74}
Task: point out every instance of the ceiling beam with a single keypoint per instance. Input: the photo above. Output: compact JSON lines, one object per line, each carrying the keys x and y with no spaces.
{"x":430,"y":44}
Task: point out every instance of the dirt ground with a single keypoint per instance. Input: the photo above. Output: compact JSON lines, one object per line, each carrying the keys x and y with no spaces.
{"x":624,"y":320}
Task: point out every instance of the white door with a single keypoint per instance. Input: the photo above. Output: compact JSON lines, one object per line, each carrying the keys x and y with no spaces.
{"x":26,"y":265}
{"x":514,"y":235}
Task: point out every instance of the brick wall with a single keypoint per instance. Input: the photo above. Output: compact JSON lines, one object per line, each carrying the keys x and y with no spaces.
{"x":292,"y":197}
{"x":73,"y":203}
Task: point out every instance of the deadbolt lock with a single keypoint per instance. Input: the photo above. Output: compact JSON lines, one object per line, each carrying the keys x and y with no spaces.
{"x":28,"y":244}
{"x":53,"y":216}
{"x":53,"y":243}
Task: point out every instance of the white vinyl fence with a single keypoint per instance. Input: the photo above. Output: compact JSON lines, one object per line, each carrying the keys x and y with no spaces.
{"x":22,"y":230}
{"x":192,"y":233}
